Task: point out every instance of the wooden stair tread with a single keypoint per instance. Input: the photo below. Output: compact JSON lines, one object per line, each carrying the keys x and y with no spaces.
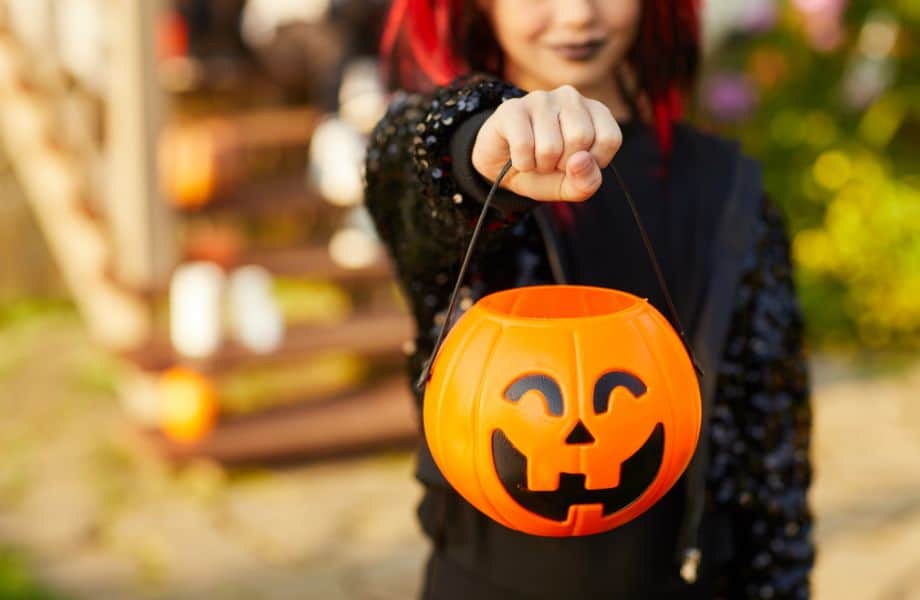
{"x":370,"y":334}
{"x":279,"y":196}
{"x":308,"y":262}
{"x":378,"y":415}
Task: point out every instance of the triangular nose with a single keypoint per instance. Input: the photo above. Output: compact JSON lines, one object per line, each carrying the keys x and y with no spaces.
{"x":579,"y":435}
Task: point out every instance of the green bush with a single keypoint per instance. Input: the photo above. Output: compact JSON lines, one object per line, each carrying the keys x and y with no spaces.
{"x":835,"y":121}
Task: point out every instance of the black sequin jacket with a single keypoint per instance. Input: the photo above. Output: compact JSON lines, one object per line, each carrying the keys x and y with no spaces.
{"x":758,"y":470}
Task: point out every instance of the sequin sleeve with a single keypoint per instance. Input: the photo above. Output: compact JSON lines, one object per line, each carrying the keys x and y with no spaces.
{"x":759,"y":466}
{"x":421,"y":213}
{"x":420,"y":210}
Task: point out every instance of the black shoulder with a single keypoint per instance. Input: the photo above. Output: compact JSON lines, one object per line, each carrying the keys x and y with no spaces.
{"x":705,"y":142}
{"x":726,"y":180}
{"x":714,"y":158}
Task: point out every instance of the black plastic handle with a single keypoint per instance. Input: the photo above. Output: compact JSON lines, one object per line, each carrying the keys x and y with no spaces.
{"x":426,"y":370}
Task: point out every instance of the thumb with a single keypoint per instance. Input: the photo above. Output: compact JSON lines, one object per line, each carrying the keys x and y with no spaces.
{"x":582,"y":177}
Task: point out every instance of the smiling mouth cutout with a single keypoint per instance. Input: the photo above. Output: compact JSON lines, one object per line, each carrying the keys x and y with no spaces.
{"x":636,"y":475}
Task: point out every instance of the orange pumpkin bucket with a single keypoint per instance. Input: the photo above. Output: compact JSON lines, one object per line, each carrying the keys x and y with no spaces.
{"x":561,"y":410}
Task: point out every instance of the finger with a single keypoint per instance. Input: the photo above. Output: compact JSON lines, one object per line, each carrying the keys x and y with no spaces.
{"x":514,"y":126}
{"x":608,"y":137}
{"x":577,"y":130}
{"x":582,"y":178}
{"x":548,"y":144}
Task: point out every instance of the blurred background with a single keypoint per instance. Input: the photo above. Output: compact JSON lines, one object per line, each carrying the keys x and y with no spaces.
{"x":201,"y":345}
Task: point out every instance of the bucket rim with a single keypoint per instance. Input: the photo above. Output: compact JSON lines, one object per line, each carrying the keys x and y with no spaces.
{"x":636,"y":304}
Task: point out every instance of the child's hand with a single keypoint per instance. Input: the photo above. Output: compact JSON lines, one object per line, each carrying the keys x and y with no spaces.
{"x":557,"y":141}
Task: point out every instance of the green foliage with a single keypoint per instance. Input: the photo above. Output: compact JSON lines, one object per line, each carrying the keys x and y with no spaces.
{"x":837,"y":130}
{"x":16,"y":581}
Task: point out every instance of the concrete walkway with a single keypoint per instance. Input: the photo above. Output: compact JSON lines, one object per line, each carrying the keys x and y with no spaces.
{"x":101,"y":518}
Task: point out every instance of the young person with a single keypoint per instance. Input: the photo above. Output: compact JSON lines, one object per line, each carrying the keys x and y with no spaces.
{"x":561,"y":88}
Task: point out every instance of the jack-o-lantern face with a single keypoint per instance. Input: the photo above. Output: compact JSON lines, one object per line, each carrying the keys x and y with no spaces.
{"x":637,"y":472}
{"x":562,"y":416}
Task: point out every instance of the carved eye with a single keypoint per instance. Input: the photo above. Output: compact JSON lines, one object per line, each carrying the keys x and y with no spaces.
{"x":611,"y":380}
{"x":544,"y":384}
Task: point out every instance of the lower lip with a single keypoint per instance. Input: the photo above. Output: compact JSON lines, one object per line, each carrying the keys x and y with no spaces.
{"x":582,"y":53}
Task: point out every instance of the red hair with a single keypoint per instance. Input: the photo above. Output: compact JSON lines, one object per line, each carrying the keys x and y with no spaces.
{"x":430,"y":42}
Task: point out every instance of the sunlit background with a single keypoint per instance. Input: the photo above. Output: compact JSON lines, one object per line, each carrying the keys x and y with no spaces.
{"x":201,"y":346}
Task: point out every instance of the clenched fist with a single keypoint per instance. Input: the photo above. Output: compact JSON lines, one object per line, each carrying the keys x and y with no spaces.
{"x":557,"y":141}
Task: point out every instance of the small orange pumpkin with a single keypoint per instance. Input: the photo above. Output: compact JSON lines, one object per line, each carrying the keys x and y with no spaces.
{"x":562,"y":410}
{"x":188,"y":404}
